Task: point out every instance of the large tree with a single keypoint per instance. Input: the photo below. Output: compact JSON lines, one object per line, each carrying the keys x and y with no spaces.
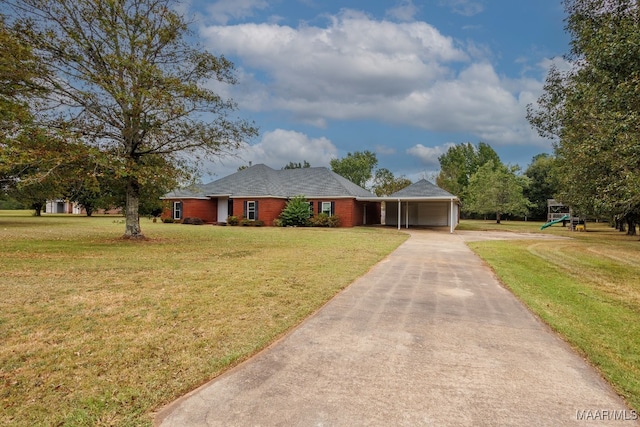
{"x":543,"y":184}
{"x":460,"y":162}
{"x":357,"y":167}
{"x":593,"y":110}
{"x":497,"y":190}
{"x":129,"y":80}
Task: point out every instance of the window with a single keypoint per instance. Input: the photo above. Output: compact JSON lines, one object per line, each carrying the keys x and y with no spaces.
{"x":326,"y":208}
{"x":251,"y":210}
{"x":177,"y":210}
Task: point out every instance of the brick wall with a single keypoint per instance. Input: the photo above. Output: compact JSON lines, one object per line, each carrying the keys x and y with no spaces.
{"x":268,"y":209}
{"x":350,"y":211}
{"x":206,"y":210}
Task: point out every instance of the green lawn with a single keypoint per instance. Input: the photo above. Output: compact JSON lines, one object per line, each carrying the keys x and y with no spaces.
{"x":100,"y":331}
{"x":586,"y":288}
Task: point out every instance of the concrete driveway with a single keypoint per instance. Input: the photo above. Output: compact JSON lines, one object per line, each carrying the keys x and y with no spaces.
{"x":428,"y":337}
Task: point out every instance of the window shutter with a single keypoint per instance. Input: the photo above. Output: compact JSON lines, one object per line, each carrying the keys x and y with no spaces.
{"x":256,"y":214}
{"x":333,"y":208}
{"x":320,"y":207}
{"x":244,"y":209}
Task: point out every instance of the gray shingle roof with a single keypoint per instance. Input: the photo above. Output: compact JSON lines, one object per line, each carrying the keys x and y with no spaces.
{"x":262,"y":181}
{"x":422,"y":188}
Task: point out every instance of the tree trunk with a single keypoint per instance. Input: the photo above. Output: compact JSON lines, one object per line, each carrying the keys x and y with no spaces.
{"x":132,"y":219}
{"x":631,"y":227}
{"x":37,"y":206}
{"x":498,"y":217}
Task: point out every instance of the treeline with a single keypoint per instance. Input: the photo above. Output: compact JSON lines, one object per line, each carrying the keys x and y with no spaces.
{"x":592,"y":112}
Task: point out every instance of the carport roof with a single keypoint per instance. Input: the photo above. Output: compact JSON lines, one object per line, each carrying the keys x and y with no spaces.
{"x":422,"y":190}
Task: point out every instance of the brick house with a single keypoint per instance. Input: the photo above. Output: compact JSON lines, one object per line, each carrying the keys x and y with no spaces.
{"x":261,"y":193}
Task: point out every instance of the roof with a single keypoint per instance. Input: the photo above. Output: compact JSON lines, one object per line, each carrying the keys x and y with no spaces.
{"x":421,"y":191}
{"x":422,"y":188}
{"x":262,"y":181}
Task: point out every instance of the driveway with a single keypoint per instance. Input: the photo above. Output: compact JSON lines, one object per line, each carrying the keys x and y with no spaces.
{"x":428,"y":337}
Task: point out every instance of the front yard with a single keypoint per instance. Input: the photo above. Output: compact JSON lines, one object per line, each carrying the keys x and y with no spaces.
{"x":100,"y":331}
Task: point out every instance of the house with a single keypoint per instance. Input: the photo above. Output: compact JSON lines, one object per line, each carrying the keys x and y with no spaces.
{"x":261,"y":193}
{"x":60,"y":206}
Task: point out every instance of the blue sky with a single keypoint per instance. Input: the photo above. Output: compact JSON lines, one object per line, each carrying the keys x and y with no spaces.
{"x":405,"y":79}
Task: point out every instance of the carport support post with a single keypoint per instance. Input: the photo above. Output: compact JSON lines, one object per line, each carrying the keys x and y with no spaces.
{"x":399,"y":215}
{"x":407,"y":215}
{"x":451,"y":228}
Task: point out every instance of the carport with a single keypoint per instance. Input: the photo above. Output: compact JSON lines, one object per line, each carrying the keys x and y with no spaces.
{"x":421,"y":204}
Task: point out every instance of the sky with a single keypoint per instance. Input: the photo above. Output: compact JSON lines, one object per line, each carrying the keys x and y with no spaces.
{"x":405,"y":79}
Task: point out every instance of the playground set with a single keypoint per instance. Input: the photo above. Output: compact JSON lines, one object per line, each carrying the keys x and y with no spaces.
{"x":559,"y":213}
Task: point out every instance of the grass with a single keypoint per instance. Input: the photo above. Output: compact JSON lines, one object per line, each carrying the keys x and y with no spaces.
{"x":98,"y":331}
{"x":586,"y":288}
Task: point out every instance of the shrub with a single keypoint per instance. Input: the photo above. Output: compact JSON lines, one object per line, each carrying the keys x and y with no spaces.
{"x":193,"y":221}
{"x":245,"y":222}
{"x":168,"y":220}
{"x":296,"y":213}
{"x":277,"y":222}
{"x":258,"y":223}
{"x":232,"y":220}
{"x":324,"y":220}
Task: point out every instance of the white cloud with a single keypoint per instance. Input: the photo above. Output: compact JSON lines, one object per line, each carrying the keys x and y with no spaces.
{"x":404,"y":11}
{"x":364,"y":69}
{"x":222,"y":11}
{"x":428,"y":156}
{"x":276,"y":149}
{"x":383,"y":150}
{"x":464,"y":7}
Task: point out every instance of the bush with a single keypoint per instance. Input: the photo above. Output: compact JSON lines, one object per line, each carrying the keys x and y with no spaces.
{"x":277,"y":222}
{"x":296,"y":213}
{"x":193,"y":221}
{"x":232,"y":220}
{"x":245,"y":222}
{"x":258,"y":223}
{"x":324,"y":220}
{"x":168,"y":220}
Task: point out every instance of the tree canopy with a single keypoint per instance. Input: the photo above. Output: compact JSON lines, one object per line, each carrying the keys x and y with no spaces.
{"x":497,"y":190}
{"x":129,"y":81}
{"x":593,"y":110}
{"x":543,"y":184}
{"x":385,"y":183}
{"x":19,"y":71}
{"x":294,"y":165}
{"x":357,"y":167}
{"x":460,"y":162}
